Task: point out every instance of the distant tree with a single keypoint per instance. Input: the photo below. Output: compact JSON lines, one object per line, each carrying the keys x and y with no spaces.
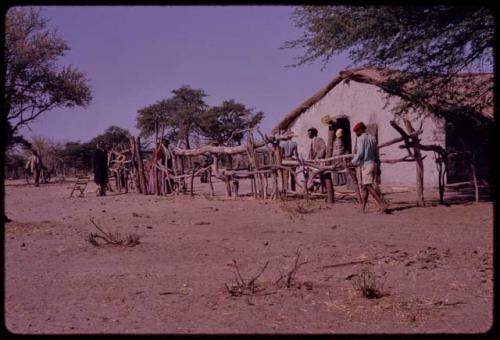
{"x":34,"y":84}
{"x":14,"y":164}
{"x":189,"y":105}
{"x":430,"y":44}
{"x":78,"y":156}
{"x":114,"y":137}
{"x":177,"y":116}
{"x":224,"y":124}
{"x":157,"y":118}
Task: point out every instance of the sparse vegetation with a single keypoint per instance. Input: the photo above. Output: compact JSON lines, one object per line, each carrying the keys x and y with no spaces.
{"x":366,"y":283}
{"x":241,"y":287}
{"x":130,"y":240}
{"x":288,"y":279}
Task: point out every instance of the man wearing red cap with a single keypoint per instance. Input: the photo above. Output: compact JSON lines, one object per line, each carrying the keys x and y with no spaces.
{"x":367,"y":158}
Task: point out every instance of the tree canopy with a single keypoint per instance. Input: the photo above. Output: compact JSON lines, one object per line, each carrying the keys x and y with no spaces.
{"x":224,"y":124}
{"x":189,"y":104}
{"x":186,"y":117}
{"x":431,"y":45}
{"x":176,"y":117}
{"x":78,"y":155}
{"x":114,"y":137}
{"x":34,"y":82}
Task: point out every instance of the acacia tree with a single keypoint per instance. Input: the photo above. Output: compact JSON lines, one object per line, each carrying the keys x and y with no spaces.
{"x":224,"y":124}
{"x":34,"y":83}
{"x":177,"y":116}
{"x":188,"y":106}
{"x":157,"y":119}
{"x":431,"y":45}
{"x":77,"y":156}
{"x":114,"y":137}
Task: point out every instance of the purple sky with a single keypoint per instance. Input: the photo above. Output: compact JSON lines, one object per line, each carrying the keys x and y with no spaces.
{"x":134,"y":56}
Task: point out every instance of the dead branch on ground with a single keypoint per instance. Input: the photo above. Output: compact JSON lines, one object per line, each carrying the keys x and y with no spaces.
{"x":115,"y":239}
{"x":290,"y":277}
{"x":240,"y":287}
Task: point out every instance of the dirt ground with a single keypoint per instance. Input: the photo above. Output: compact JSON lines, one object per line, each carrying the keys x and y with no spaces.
{"x":432,"y":265}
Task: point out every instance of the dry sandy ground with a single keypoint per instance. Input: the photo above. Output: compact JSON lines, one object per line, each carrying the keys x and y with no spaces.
{"x":435,"y":264}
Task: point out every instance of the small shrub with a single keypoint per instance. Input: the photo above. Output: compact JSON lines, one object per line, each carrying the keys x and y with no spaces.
{"x":367,"y":285}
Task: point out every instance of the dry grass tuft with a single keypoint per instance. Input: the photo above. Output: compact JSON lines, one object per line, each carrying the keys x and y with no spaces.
{"x":366,"y":283}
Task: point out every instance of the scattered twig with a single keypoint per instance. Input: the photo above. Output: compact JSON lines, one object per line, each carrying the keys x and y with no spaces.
{"x":345,"y":264}
{"x":290,"y":276}
{"x":131,"y":240}
{"x":240,"y":287}
{"x":169,"y":293}
{"x":102,"y":231}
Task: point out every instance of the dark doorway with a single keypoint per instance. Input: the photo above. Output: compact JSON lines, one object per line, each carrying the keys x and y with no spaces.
{"x":344,"y":124}
{"x":463,"y":134}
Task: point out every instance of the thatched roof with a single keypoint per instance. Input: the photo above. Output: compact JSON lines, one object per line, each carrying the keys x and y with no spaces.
{"x":379,"y":77}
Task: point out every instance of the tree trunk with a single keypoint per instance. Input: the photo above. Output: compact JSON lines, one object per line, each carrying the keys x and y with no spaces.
{"x":420,"y":178}
{"x":419,"y":165}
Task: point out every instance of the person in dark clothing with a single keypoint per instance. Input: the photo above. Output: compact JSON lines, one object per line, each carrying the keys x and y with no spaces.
{"x":101,"y":168}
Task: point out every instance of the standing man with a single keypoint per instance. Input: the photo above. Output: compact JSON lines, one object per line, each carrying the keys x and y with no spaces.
{"x":368,"y":159}
{"x":101,"y":168}
{"x":34,"y":165}
{"x":317,"y":150}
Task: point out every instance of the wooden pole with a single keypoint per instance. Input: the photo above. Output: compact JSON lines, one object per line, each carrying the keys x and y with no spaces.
{"x":266,"y":185}
{"x":474,"y":177}
{"x":182,"y":179}
{"x":306,"y":177}
{"x":155,"y":172}
{"x":175,"y":181}
{"x":227,"y":181}
{"x":212,"y":193}
{"x":352,"y":175}
{"x":419,"y":164}
{"x":441,"y":167}
{"x":275,"y":194}
{"x":276,"y":159}
{"x":193,"y":170}
{"x":135,"y":165}
{"x":328,"y":176}
{"x":235,"y":187}
{"x":142,"y":175}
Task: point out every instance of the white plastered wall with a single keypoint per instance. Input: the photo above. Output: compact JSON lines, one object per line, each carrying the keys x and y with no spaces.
{"x":368,"y":103}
